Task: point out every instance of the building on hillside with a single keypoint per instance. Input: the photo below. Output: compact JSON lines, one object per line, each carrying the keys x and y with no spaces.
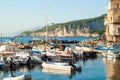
{"x":112,"y":21}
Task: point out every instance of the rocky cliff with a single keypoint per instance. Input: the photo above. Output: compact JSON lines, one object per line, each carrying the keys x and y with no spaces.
{"x":86,"y":27}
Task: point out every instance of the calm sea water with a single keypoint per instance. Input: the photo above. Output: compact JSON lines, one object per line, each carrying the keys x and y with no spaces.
{"x":29,"y":38}
{"x":96,"y":69}
{"x":92,"y":69}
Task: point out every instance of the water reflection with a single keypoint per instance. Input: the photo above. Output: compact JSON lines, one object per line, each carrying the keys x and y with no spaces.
{"x":89,"y":67}
{"x":25,"y":68}
{"x":63,"y":72}
{"x":112,"y":68}
{"x":19,"y":71}
{"x":86,"y":60}
{"x":54,"y":71}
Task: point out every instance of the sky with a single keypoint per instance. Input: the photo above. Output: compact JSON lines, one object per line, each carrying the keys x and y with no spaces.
{"x":20,"y":15}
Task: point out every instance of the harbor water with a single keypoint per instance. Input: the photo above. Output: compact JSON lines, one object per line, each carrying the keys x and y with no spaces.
{"x":92,"y":69}
{"x":29,"y":38}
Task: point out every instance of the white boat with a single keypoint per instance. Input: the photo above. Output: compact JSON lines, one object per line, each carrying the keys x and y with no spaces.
{"x":111,"y":54}
{"x":37,"y":48}
{"x":82,"y":48}
{"x":22,"y":54}
{"x":57,"y":66}
{"x":21,"y":77}
{"x":57,"y":55}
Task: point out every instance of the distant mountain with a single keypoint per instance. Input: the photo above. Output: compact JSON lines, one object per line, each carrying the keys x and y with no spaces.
{"x":85,"y":27}
{"x":27,"y":30}
{"x":34,"y":28}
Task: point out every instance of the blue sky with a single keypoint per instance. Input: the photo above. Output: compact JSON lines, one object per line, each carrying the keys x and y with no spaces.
{"x":19,"y":15}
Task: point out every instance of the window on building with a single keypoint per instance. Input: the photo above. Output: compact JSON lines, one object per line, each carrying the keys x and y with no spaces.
{"x":117,"y":5}
{"x":119,"y":30}
{"x":111,"y":18}
{"x":119,"y":18}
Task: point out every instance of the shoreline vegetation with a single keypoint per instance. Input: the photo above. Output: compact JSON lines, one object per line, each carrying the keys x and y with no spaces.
{"x":86,"y":27}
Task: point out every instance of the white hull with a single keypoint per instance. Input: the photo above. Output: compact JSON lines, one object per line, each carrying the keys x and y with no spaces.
{"x":110,"y":54}
{"x":22,"y":77}
{"x":57,"y":66}
{"x":83,"y":48}
{"x":15,"y":78}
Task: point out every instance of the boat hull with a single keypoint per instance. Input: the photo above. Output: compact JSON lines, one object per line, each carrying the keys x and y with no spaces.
{"x":22,"y":77}
{"x":57,"y":66}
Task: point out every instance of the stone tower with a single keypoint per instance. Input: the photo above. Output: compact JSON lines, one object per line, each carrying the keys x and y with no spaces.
{"x":112,"y":21}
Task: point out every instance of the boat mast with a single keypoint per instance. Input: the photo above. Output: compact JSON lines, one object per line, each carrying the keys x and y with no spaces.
{"x":33,"y":37}
{"x":15,"y":44}
{"x":46,"y":23}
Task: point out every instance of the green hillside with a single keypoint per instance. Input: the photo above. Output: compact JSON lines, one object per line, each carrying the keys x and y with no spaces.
{"x":95,"y":25}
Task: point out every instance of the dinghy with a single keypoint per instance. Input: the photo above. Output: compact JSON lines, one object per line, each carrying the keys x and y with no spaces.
{"x":57,"y":66}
